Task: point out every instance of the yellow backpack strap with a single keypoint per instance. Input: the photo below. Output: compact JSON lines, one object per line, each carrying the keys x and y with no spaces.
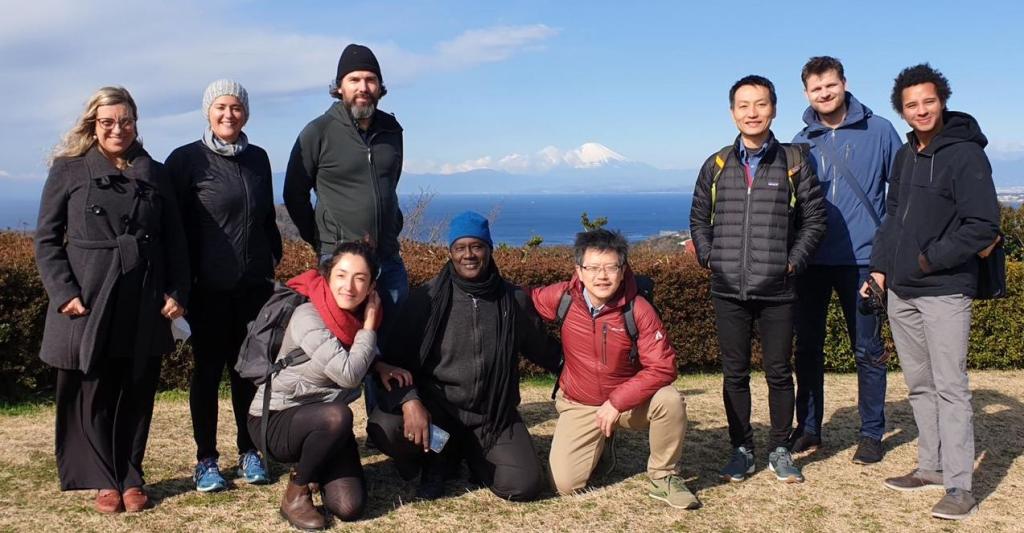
{"x":720,"y":159}
{"x":795,"y":161}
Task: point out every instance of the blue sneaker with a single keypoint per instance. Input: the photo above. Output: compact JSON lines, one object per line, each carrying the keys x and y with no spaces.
{"x":207,"y":476}
{"x":781,"y":463}
{"x":250,"y":468}
{"x":740,"y":465}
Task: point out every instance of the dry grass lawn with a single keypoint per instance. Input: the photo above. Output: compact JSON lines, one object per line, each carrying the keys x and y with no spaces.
{"x":838,"y":495}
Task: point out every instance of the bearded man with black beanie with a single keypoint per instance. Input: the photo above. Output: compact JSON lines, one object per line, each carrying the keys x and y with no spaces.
{"x":462,"y":332}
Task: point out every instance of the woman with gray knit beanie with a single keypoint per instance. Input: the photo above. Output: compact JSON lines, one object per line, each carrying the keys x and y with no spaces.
{"x":226,"y":199}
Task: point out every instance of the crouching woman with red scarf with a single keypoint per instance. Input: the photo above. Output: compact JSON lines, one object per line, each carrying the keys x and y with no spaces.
{"x":310,"y":423}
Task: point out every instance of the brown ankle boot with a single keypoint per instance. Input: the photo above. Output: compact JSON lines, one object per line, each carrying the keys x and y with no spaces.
{"x":297,"y":507}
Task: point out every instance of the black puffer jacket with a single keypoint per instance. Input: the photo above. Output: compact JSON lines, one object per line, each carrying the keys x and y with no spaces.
{"x":755,"y":234}
{"x":941,"y":211}
{"x":356,"y":181}
{"x":227,"y":208}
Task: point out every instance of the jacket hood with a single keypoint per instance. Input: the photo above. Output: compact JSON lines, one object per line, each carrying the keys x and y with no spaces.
{"x":627,"y":291}
{"x":957,"y":128}
{"x":855,"y":112}
{"x":381,"y":120}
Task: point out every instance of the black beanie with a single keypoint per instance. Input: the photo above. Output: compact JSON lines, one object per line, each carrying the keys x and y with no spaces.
{"x":357,"y":57}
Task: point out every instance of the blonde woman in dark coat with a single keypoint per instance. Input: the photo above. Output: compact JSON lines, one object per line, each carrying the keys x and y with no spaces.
{"x":113,"y":259}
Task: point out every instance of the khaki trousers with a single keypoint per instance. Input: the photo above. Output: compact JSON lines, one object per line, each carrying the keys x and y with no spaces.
{"x":578,"y":442}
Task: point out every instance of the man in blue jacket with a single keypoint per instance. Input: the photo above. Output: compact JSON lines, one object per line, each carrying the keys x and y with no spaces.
{"x":852,"y":150}
{"x":942,"y":214}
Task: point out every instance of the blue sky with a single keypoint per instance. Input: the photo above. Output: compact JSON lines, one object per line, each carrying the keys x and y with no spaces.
{"x":475,"y":80}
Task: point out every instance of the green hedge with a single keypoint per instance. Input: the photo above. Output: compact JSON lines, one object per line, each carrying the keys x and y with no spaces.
{"x":681,"y":292}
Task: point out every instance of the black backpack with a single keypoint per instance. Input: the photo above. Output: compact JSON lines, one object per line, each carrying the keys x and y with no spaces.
{"x":645,"y":288}
{"x":257,"y":358}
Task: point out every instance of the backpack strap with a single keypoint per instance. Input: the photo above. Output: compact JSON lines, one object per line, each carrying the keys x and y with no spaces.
{"x":631,"y":329}
{"x":563,"y":309}
{"x":294,"y":357}
{"x":720,"y":159}
{"x":795,"y":162}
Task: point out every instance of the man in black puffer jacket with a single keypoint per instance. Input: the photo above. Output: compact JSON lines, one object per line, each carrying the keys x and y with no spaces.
{"x":756,"y":219}
{"x":941,"y":213}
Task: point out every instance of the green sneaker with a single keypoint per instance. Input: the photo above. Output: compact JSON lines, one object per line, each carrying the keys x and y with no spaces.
{"x":673,"y":491}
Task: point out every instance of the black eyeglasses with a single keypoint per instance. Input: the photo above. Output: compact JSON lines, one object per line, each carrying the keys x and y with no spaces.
{"x":108,"y":124}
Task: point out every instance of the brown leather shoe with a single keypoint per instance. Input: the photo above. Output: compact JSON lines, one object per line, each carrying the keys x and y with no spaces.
{"x":135,"y":499}
{"x":108,"y":501}
{"x":297,"y":507}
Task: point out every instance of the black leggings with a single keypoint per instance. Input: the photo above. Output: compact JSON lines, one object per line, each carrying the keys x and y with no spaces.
{"x":318,"y":437}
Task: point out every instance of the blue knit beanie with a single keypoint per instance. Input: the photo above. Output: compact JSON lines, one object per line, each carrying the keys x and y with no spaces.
{"x":469,"y":224}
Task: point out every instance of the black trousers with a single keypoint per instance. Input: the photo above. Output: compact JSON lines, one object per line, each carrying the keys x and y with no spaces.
{"x":510,"y":468}
{"x":317,"y":437}
{"x":103,"y":423}
{"x":735,"y":320}
{"x":219,"y":321}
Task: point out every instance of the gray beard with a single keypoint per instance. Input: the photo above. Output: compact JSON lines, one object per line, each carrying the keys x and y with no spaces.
{"x":361,"y":112}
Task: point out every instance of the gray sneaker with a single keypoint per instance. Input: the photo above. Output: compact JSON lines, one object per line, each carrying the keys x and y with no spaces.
{"x":781,"y":463}
{"x":957,"y":504}
{"x":739,"y":466}
{"x":916,"y":480}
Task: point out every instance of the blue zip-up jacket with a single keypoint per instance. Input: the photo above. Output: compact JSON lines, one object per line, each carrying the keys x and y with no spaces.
{"x":868,"y":145}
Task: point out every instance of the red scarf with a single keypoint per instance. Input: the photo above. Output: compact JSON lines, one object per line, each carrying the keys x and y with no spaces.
{"x":343,"y":324}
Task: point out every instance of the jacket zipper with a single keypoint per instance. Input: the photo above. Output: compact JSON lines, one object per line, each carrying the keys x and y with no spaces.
{"x":903,"y":220}
{"x":746,"y":238}
{"x":376,"y":190}
{"x":604,"y":344}
{"x":835,"y":172}
{"x":477,"y":356}
{"x":245,"y":224}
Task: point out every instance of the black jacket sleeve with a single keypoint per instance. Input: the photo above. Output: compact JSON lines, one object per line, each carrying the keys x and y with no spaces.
{"x":299,"y":180}
{"x":51,"y":228}
{"x":700,"y":213}
{"x":881,"y":249}
{"x":977,"y":208}
{"x":534,"y":341}
{"x":270,"y":224}
{"x":178,"y":170}
{"x":176,"y":253}
{"x":810,"y":218}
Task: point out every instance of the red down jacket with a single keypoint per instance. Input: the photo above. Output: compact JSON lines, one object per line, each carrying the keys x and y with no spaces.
{"x":596,"y":350}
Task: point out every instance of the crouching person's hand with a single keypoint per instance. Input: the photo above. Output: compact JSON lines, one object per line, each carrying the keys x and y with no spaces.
{"x":417,"y":424}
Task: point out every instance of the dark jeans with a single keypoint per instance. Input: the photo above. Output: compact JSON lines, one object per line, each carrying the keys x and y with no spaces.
{"x":735,"y":320}
{"x":219,"y":321}
{"x":393,"y":288}
{"x":510,"y":468}
{"x":815,"y":288}
{"x":103,"y":423}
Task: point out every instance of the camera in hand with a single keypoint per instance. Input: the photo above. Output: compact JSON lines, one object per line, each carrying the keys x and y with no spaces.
{"x":874,"y":303}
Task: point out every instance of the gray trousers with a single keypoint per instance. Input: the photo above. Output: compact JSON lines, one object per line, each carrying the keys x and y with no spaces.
{"x":931,"y":334}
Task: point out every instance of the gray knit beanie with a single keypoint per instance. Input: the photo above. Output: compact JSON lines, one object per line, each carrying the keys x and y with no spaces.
{"x":224,"y":88}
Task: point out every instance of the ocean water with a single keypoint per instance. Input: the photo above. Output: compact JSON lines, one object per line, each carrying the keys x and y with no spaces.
{"x":515,"y":219}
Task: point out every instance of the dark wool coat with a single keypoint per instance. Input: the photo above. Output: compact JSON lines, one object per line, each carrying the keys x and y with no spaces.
{"x":756,"y":234}
{"x":227,"y":208}
{"x":97,"y":227}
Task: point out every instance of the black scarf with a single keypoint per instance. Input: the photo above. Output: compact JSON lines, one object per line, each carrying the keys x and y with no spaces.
{"x":502,"y":381}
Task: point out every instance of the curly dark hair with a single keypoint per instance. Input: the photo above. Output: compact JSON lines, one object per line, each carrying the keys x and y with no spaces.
{"x":818,"y":65}
{"x":916,"y":75}
{"x":361,"y":248}
{"x":602,"y":240}
{"x":756,"y":80}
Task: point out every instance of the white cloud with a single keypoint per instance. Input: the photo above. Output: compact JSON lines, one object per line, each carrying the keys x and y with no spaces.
{"x":1005,"y":149}
{"x":588,"y":155}
{"x":4,"y":174}
{"x":54,"y":54}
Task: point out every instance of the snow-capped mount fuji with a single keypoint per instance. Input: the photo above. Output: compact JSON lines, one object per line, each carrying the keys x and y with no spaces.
{"x":590,"y":168}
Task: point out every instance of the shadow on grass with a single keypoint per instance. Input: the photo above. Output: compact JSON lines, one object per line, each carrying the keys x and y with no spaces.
{"x":998,"y":435}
